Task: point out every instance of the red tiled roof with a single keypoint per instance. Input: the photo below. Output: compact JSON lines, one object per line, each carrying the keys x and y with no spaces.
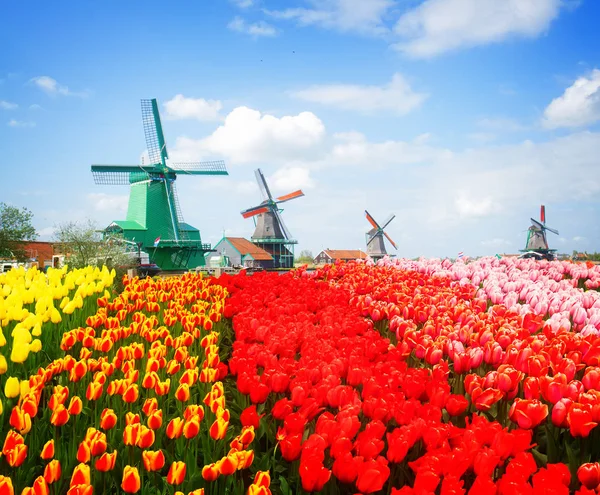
{"x":244,"y":246}
{"x":345,"y":254}
{"x":39,"y":249}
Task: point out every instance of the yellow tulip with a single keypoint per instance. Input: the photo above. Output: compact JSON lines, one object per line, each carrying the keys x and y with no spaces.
{"x":55,"y":316}
{"x":1,"y":408}
{"x":37,"y":329}
{"x":20,"y":351}
{"x":2,"y":337}
{"x":12,"y":388}
{"x":35,"y":346}
{"x":3,"y":364}
{"x":24,"y":388}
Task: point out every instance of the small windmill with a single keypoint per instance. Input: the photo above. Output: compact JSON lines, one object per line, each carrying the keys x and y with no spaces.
{"x":271,"y":233}
{"x":154,"y":218}
{"x":536,"y":237}
{"x":375,"y":243}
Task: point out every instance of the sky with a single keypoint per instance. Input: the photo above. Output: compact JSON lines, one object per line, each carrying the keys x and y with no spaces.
{"x":461,"y":117}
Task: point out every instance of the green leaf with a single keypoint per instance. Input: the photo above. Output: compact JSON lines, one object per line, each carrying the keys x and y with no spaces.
{"x":285,"y":488}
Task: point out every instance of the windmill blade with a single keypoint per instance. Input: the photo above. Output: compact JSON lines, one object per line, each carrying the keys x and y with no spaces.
{"x":371,"y":220}
{"x":155,"y":139}
{"x":390,"y":239}
{"x":552,"y":230}
{"x":371,"y":238}
{"x":199,"y":168}
{"x":388,"y":221}
{"x":290,"y":196}
{"x":284,"y":229}
{"x":256,"y":210}
{"x":536,"y":223}
{"x":122,"y":175}
{"x":543,"y":214}
{"x":262,"y":185}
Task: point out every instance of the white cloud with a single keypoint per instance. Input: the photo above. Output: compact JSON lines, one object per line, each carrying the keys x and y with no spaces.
{"x":482,"y":137}
{"x":103,"y":202}
{"x":579,"y":238}
{"x":256,"y":29}
{"x":20,"y":123}
{"x":247,"y":136}
{"x":471,"y":204}
{"x":46,"y":232}
{"x":397,"y":96}
{"x":578,"y":106}
{"x":438,"y":26}
{"x":290,"y":179}
{"x":181,"y":107}
{"x":51,"y":86}
{"x":35,"y":106}
{"x":243,"y":4}
{"x":7,"y":105}
{"x":361,"y":16}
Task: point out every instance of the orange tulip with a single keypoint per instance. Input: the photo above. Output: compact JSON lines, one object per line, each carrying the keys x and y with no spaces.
{"x":176,"y":473}
{"x":94,"y":391}
{"x":262,"y":478}
{"x":228,"y":465}
{"x":131,"y":434}
{"x":75,"y":406}
{"x":16,"y":456}
{"x":162,"y":388}
{"x":59,"y":416}
{"x":40,"y":486}
{"x":83,"y":452}
{"x":131,"y":480}
{"x":155,"y":420}
{"x":150,"y":380}
{"x":150,"y":405}
{"x":108,"y":419}
{"x":81,"y":475}
{"x":132,"y":418}
{"x":29,"y":404}
{"x":48,"y":450}
{"x":194,"y":410}
{"x":153,"y":460}
{"x":182,"y":393}
{"x":131,"y":393}
{"x":175,"y":428}
{"x":191,"y":427}
{"x":53,"y":471}
{"x":6,"y":486}
{"x":198,"y":491}
{"x":106,"y":462}
{"x":81,"y":490}
{"x":218,"y":429}
{"x":145,"y":437}
{"x":210,"y":472}
{"x":20,"y":420}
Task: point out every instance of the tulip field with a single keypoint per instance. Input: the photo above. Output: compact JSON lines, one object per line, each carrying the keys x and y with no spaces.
{"x":401,"y":377}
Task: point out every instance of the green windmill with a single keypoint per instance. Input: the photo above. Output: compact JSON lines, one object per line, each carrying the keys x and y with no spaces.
{"x":154,"y":220}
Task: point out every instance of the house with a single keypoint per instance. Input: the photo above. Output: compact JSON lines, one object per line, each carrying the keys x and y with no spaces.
{"x":332,"y":255}
{"x":39,"y":253}
{"x":241,"y":252}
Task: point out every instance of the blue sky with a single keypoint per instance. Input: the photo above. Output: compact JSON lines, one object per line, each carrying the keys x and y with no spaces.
{"x":459,"y":116}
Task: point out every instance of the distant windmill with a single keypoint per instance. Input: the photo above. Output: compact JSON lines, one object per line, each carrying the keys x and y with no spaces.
{"x":375,"y":243}
{"x":536,"y":237}
{"x":154,"y":218}
{"x":271,"y":233}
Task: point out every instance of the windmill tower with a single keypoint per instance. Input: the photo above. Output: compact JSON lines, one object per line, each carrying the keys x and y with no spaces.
{"x":375,"y":243}
{"x":154,"y":220}
{"x":536,"y":237}
{"x":271,"y":233}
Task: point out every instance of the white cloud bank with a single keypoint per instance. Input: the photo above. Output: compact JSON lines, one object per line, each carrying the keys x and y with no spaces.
{"x":396,"y":96}
{"x":51,"y":87}
{"x":256,"y":29}
{"x":578,"y":106}
{"x":8,"y":105}
{"x":180,"y":107}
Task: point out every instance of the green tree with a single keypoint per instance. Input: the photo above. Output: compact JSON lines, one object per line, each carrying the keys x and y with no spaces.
{"x":305,"y":256}
{"x":16,"y":230}
{"x":82,"y":245}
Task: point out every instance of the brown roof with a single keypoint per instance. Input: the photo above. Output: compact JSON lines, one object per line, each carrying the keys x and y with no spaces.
{"x":244,"y":246}
{"x":345,"y":254}
{"x":36,"y":249}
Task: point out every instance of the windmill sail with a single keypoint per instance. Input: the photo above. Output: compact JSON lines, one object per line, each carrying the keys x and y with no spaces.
{"x":375,"y":237}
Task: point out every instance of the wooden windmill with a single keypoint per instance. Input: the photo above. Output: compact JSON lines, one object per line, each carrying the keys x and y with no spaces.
{"x":537,"y":241}
{"x":154,"y":220}
{"x":271,"y":233}
{"x":375,"y":242}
